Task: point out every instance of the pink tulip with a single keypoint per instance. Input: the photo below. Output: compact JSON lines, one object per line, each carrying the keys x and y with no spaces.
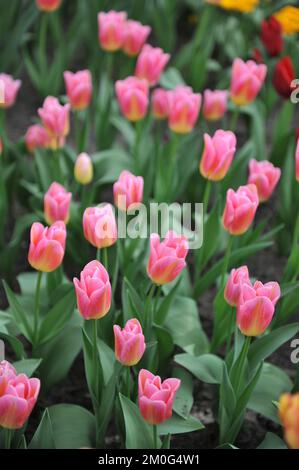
{"x":129,"y":343}
{"x":8,"y":90}
{"x":214,"y":104}
{"x":55,"y":119}
{"x":7,"y":372}
{"x":256,"y":307}
{"x":48,"y":5}
{"x":234,"y":284}
{"x":160,"y":103}
{"x":240,"y":209}
{"x":99,"y":226}
{"x":36,"y":137}
{"x":128,"y":191}
{"x":57,"y":204}
{"x":151,"y":63}
{"x":47,"y":246}
{"x":132,"y":96}
{"x":265,"y":176}
{"x":135,"y":35}
{"x":93,"y":291}
{"x":297,"y":161}
{"x":218,"y":155}
{"x":112,"y":26}
{"x":167,"y":258}
{"x":17,"y":399}
{"x":83,"y":169}
{"x":246,"y":81}
{"x":78,"y":88}
{"x":184,"y":107}
{"x":156,"y":397}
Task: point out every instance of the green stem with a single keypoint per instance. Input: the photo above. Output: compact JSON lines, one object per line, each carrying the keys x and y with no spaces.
{"x":99,"y":254}
{"x":36,"y":308}
{"x":241,"y":367}
{"x":172,"y":165}
{"x":234,"y":119}
{"x":57,"y":165}
{"x":226,"y":259}
{"x":296,"y":233}
{"x":42,"y":50}
{"x":206,"y":200}
{"x":128,"y":382}
{"x":96,"y":374}
{"x":105,"y":258}
{"x":149,"y":310}
{"x":8,"y":433}
{"x":231,"y":323}
{"x":138,"y":133}
{"x":155,"y":433}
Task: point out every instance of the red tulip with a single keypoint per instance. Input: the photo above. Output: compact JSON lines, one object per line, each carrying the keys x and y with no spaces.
{"x":271,"y":36}
{"x":283,"y":76}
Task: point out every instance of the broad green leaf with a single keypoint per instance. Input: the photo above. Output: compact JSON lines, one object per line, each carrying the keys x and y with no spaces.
{"x":20,"y":316}
{"x":208,"y":368}
{"x":184,"y":397}
{"x":43,"y":437}
{"x":73,"y":426}
{"x":178,"y":425}
{"x":27,"y":366}
{"x":139,"y":434}
{"x":272,"y":441}
{"x":15,"y":343}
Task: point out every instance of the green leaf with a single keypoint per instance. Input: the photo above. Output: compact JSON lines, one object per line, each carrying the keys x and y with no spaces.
{"x":16,"y":344}
{"x":272,"y":441}
{"x":184,"y":397}
{"x":43,"y":437}
{"x":171,"y":78}
{"x":266,"y":345}
{"x":56,"y":319}
{"x":27,"y":366}
{"x":164,"y":307}
{"x":109,"y":164}
{"x":20,"y":316}
{"x":272,"y":383}
{"x":73,"y":426}
{"x":178,"y":425}
{"x":208,"y":368}
{"x":139,"y":434}
{"x":184,"y":324}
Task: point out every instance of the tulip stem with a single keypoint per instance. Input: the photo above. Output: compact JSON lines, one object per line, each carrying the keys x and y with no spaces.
{"x":138,"y":132}
{"x":105,"y":259}
{"x":43,"y":45}
{"x":206,"y":200}
{"x":234,"y":119}
{"x":7,"y":438}
{"x":36,"y":308}
{"x":128,"y":382}
{"x":155,"y":432}
{"x":231,"y":323}
{"x":99,"y":254}
{"x":96,"y":374}
{"x":239,"y":373}
{"x":226,"y":259}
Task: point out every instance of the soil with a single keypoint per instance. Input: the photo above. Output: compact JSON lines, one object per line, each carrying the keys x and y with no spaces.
{"x":268,"y":265}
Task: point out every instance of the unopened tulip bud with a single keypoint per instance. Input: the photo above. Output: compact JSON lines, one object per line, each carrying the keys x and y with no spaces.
{"x":218,"y":155}
{"x":47,"y":246}
{"x":93,"y":291}
{"x":265,"y":176}
{"x":83,"y":170}
{"x":129,"y":343}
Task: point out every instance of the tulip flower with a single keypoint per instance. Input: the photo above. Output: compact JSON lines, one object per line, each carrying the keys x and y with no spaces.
{"x":289,"y":415}
{"x":99,"y":226}
{"x":160,"y":103}
{"x":240,"y":209}
{"x":48,"y":5}
{"x":234,"y":285}
{"x":8,"y":90}
{"x":265,"y":176}
{"x":297,"y":160}
{"x":78,"y":88}
{"x":283,"y":75}
{"x":256,"y":307}
{"x":135,"y":35}
{"x":129,"y":343}
{"x":156,"y":397}
{"x":246,"y":81}
{"x":184,"y":107}
{"x":93,"y":291}
{"x":18,"y":395}
{"x":47,"y":246}
{"x":57,"y":204}
{"x":214,"y":104}
{"x":36,"y":137}
{"x":55,"y":119}
{"x":132,"y":96}
{"x":128,"y":191}
{"x":288,"y":17}
{"x":83,"y":170}
{"x":151,"y":63}
{"x":218,"y":155}
{"x":112,"y":26}
{"x":271,"y":36}
{"x":167,"y":258}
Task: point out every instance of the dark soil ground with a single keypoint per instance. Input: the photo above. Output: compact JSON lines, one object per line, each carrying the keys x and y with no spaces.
{"x":268,"y":265}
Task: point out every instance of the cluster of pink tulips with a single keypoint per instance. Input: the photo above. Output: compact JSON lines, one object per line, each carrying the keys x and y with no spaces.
{"x":130,"y":303}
